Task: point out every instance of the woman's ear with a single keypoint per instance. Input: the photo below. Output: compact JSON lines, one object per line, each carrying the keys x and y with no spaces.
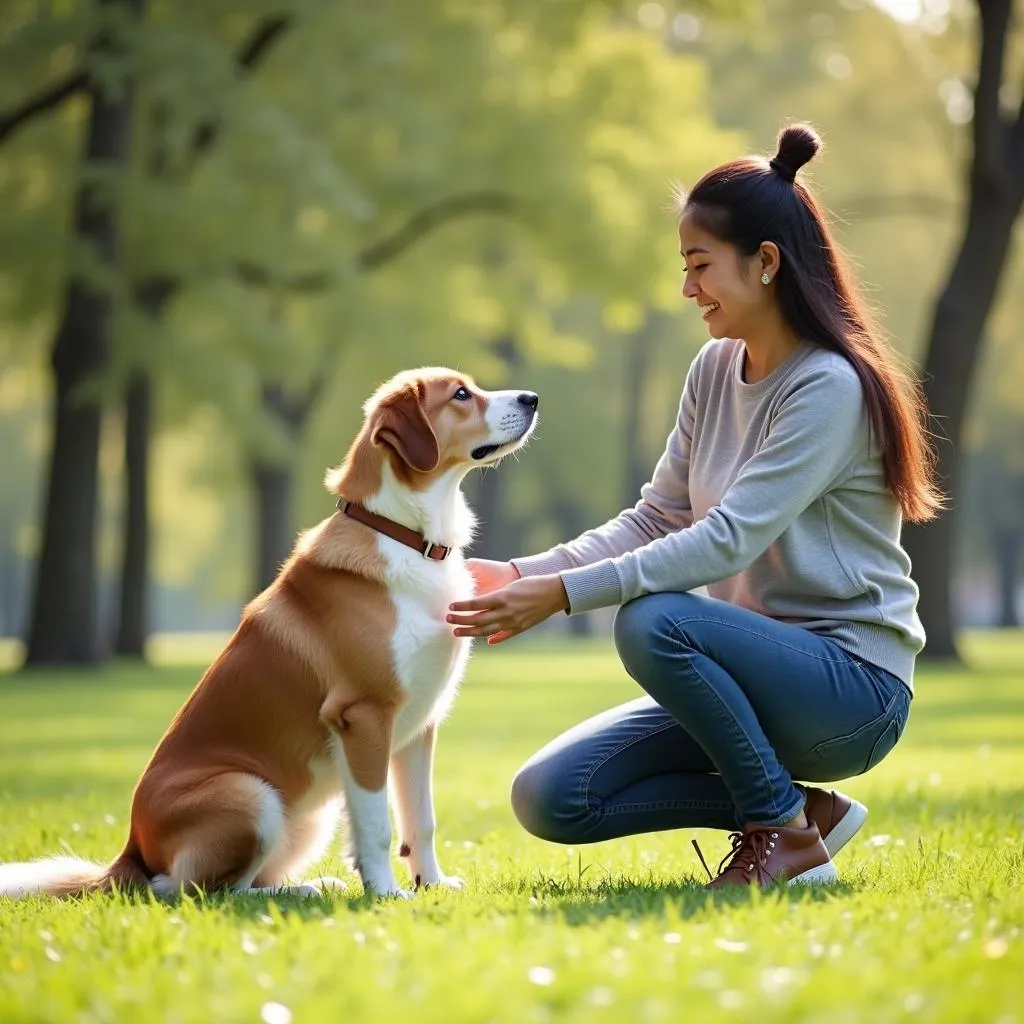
{"x":771,"y":260}
{"x":401,"y":424}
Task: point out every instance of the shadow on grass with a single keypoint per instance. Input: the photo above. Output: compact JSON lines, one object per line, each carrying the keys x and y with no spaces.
{"x":630,"y":898}
{"x":543,"y":898}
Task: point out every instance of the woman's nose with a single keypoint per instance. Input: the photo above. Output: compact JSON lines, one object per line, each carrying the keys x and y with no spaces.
{"x":690,"y":288}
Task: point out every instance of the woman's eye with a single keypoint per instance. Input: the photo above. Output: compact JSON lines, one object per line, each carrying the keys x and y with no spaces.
{"x":462,"y":395}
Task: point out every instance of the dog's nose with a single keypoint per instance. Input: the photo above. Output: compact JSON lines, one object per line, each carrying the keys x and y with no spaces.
{"x":529,"y":399}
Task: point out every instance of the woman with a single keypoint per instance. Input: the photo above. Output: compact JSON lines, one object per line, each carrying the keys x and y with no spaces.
{"x":799,"y":448}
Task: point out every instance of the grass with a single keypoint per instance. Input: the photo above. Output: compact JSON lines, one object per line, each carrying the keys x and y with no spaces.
{"x":926,"y":924}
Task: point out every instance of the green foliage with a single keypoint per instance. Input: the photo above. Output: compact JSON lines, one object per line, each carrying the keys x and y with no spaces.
{"x":926,"y":922}
{"x":361,"y":116}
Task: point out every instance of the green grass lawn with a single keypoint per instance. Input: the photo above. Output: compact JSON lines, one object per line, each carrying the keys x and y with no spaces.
{"x":926,"y":924}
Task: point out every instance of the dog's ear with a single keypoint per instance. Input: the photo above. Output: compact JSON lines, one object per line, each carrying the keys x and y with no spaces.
{"x":401,"y":424}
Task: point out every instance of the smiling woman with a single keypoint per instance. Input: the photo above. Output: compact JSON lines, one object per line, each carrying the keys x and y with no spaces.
{"x":798,"y":449}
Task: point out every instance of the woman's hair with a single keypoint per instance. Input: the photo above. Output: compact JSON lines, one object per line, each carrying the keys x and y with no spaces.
{"x":754,"y":200}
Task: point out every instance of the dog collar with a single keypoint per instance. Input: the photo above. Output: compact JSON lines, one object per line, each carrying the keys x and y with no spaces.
{"x":396,"y":531}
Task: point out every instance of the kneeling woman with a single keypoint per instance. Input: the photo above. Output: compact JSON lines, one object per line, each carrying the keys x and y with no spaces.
{"x":798,"y":450}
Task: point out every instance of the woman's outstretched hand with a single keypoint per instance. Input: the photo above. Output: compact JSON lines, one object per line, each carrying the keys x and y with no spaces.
{"x":489,"y":575}
{"x":514,"y":608}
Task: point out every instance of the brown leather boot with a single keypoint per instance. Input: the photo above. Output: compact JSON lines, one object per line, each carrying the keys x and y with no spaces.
{"x":765,"y":854}
{"x":837,"y":816}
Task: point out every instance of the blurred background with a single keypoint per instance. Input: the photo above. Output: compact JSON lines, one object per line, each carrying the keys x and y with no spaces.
{"x":223,"y":224}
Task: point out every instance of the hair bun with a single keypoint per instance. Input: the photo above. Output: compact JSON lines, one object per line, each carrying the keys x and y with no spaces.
{"x":797,"y":144}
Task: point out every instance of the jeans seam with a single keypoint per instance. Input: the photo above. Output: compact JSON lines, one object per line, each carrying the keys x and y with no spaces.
{"x":736,"y":723}
{"x":846,"y":659}
{"x":661,"y":805}
{"x":584,"y":788}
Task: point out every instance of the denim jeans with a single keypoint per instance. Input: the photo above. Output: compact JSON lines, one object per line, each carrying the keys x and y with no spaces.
{"x":739,"y":705}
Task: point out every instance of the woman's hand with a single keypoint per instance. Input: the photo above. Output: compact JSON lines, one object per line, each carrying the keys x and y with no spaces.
{"x":511,"y":610}
{"x":489,"y":575}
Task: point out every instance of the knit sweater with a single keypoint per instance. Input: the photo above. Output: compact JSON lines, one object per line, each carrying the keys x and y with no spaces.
{"x":773,"y":496}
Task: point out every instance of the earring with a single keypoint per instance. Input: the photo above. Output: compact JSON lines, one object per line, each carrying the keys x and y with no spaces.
{"x":765,"y":279}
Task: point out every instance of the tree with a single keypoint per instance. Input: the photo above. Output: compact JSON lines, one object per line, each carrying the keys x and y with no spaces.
{"x":63,"y":627}
{"x":307,"y":170}
{"x":995,"y":192}
{"x":152,"y":294}
{"x":580,"y":146}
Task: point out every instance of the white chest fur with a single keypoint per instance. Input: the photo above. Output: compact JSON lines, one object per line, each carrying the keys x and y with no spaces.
{"x":429,"y":660}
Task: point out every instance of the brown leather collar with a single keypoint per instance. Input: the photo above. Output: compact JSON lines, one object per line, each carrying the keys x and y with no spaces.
{"x":403,"y":534}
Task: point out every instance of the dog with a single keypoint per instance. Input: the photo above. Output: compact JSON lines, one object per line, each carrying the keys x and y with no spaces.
{"x":330,"y":692}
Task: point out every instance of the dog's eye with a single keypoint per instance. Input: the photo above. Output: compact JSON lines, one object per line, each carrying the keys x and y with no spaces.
{"x":462,"y":395}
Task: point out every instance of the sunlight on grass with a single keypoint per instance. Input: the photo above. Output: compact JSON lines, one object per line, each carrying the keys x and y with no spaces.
{"x":926,"y":923}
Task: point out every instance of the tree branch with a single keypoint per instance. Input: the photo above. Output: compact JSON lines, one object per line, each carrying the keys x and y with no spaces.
{"x":154,"y":292}
{"x":990,"y":139}
{"x":430,"y":217}
{"x":44,"y":101}
{"x":249,"y":56}
{"x":385,"y":249}
{"x":255,"y":276}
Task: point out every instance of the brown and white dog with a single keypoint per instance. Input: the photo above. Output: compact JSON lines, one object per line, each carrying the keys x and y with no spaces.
{"x":334,"y":682}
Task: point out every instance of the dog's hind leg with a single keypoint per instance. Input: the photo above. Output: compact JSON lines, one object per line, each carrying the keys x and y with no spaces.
{"x":306,"y":839}
{"x":236,"y":823}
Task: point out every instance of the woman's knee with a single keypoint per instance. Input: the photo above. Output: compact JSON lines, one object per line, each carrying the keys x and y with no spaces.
{"x":543,"y":805}
{"x":646,"y":628}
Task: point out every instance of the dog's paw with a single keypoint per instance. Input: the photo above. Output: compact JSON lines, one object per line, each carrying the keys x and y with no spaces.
{"x":392,"y":894}
{"x":451,"y":882}
{"x":387,"y":891}
{"x":308,"y":889}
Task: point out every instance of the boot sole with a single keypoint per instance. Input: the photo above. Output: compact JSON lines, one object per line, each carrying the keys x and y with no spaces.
{"x":846,"y":828}
{"x":824,"y":874}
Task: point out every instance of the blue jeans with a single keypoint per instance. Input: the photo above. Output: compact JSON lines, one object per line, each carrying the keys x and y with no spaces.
{"x":739,"y":705}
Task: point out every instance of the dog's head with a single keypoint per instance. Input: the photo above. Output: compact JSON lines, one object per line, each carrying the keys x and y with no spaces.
{"x":430,"y":421}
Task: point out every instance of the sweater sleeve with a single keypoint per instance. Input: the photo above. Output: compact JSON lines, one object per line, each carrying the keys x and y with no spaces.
{"x":663,"y":508}
{"x":817,"y":432}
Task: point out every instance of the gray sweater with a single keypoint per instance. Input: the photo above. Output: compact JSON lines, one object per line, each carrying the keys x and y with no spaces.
{"x":771,"y":496}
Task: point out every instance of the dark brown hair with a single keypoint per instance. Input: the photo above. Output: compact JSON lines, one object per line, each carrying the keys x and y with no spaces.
{"x":754,"y":200}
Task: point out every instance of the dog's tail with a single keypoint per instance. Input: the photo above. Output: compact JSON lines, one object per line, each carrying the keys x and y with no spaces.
{"x":69,"y":876}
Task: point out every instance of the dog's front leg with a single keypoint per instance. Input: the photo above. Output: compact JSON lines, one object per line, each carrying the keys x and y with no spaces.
{"x":412,"y":770}
{"x":364,"y":731}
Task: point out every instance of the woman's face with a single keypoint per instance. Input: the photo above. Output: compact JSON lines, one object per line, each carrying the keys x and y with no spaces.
{"x":725,"y":284}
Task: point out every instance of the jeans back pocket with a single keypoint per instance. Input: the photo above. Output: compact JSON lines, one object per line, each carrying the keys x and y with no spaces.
{"x":893,"y":730}
{"x":843,"y":757}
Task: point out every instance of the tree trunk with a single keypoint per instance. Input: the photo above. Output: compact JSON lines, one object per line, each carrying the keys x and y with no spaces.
{"x":1007,"y":545}
{"x":274,"y":482}
{"x":64,"y":622}
{"x":151,"y":297}
{"x":275,"y":492}
{"x":496,"y":536}
{"x":952,"y":355}
{"x":485,"y":496}
{"x":636,"y":469}
{"x":133,"y":618}
{"x":571,"y":521}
